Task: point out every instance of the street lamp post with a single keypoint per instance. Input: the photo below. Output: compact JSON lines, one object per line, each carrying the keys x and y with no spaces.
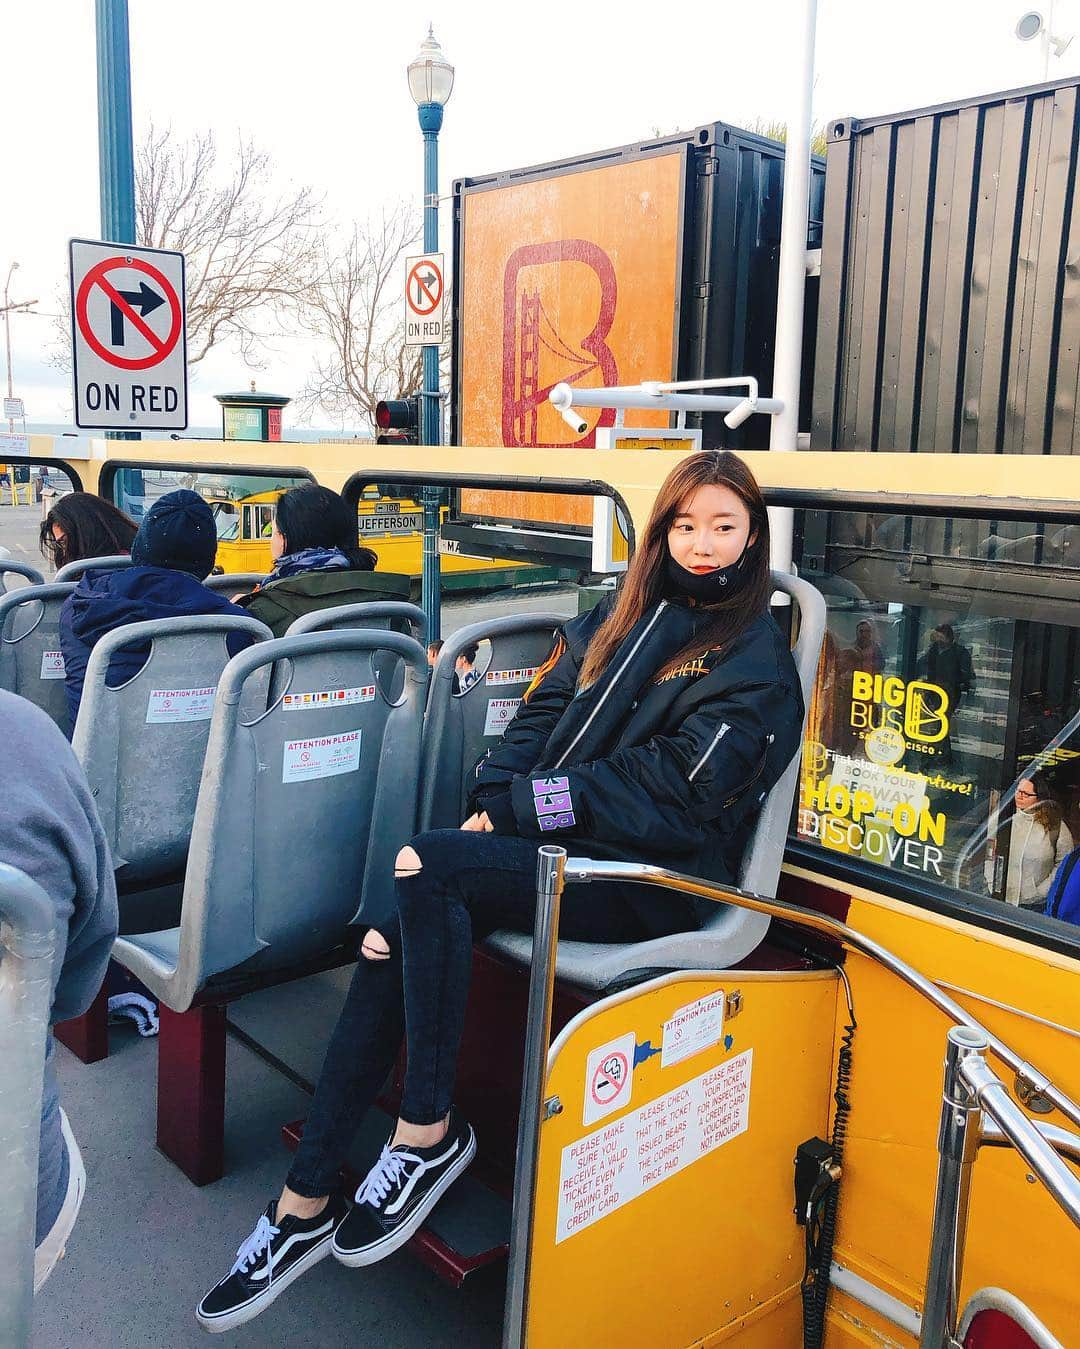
{"x":7,"y":342}
{"x":431,"y":80}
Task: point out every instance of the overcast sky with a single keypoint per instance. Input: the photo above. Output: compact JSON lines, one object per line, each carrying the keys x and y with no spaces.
{"x":321,"y":86}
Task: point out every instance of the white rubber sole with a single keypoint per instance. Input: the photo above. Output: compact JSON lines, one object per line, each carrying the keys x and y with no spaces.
{"x":51,"y":1250}
{"x":394,"y":1240}
{"x":217,"y":1325}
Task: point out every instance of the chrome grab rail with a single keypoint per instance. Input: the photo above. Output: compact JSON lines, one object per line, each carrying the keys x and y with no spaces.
{"x":28,"y":940}
{"x":554,"y":870}
{"x":970,"y":1089}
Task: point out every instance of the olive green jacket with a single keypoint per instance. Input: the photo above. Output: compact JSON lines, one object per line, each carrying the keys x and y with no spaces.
{"x":280,"y":602}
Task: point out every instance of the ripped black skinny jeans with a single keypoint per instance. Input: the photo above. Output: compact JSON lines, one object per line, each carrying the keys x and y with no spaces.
{"x":470,"y":884}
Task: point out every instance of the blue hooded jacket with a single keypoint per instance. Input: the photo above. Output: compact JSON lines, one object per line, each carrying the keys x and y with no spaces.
{"x":1063,"y":901}
{"x":104,"y":600}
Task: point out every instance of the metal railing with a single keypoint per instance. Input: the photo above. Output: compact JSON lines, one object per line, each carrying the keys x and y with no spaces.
{"x":27,"y":949}
{"x":970,"y":1090}
{"x":554,"y":870}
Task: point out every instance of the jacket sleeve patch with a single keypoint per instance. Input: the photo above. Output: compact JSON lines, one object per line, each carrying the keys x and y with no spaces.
{"x":553,"y":804}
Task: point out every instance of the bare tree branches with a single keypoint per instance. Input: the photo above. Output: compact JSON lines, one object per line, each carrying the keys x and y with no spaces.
{"x":248,"y":253}
{"x":354,"y":305}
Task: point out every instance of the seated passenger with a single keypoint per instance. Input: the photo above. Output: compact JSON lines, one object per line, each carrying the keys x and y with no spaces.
{"x":317,"y":562}
{"x":51,"y":831}
{"x":465,"y":672}
{"x":653,"y":732}
{"x":83,"y":525}
{"x":172,"y":552}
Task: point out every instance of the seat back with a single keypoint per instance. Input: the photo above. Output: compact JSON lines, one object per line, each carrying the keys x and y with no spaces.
{"x":142,"y":743}
{"x":235,"y":582}
{"x":28,"y":939}
{"x":9,"y":567}
{"x":71,"y":571}
{"x":31,"y":664}
{"x":382,"y":615}
{"x":302,"y":810}
{"x":459,"y":728}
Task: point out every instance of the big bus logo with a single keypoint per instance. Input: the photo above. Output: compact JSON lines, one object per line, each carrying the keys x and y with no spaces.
{"x":917,"y":709}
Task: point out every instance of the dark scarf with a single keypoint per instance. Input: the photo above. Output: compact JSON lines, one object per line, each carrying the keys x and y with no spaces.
{"x":308,"y":559}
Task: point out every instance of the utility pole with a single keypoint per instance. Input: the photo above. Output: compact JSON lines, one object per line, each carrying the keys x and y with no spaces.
{"x":23,"y":306}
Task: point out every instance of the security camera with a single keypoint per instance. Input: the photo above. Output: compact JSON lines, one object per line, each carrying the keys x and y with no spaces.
{"x":739,"y":413}
{"x":1030,"y":25}
{"x":574,"y":421}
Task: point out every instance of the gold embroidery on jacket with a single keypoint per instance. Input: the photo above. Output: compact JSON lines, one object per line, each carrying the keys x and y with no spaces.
{"x":689,"y":669}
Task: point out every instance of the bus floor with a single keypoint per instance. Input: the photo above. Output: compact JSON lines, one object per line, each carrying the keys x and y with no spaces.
{"x":148,"y":1243}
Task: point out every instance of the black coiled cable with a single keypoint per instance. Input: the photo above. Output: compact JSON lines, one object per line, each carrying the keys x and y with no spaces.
{"x":821,"y":1225}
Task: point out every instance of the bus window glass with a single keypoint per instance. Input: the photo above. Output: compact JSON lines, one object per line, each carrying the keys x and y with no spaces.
{"x":28,"y":491}
{"x":943,"y":739}
{"x":243,"y":505}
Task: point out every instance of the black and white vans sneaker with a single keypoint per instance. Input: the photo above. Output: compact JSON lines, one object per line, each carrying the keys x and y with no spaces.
{"x":273,"y":1256}
{"x":400,"y":1191}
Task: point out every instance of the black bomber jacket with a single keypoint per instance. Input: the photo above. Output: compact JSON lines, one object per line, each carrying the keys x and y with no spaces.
{"x":671,"y":772}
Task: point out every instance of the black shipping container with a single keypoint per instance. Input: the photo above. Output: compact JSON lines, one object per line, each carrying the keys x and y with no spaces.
{"x":725,"y":296}
{"x":949,"y":305}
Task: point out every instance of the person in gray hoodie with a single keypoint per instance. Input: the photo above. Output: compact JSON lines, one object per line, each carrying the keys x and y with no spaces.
{"x":51,"y":831}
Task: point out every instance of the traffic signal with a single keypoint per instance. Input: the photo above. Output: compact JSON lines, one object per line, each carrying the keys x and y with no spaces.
{"x":400,"y":417}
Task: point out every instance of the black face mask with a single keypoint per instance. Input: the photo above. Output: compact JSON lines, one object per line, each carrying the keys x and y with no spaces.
{"x":706,"y":587}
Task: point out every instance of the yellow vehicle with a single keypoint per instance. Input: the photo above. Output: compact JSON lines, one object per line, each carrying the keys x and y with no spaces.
{"x":668,"y":1218}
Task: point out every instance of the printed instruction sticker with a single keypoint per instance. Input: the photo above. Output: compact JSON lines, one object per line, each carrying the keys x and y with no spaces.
{"x":609,"y":1168}
{"x":52,"y":665}
{"x":324,"y":757}
{"x":502,"y":677}
{"x":500,"y":713}
{"x":304,"y":702}
{"x":693,"y":1028}
{"x":609,"y":1078}
{"x":166,"y":705}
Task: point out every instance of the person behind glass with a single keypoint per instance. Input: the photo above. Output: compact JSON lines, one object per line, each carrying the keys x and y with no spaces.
{"x":82,"y":525}
{"x":317,"y":562}
{"x":653,"y":732}
{"x":1039,"y":841}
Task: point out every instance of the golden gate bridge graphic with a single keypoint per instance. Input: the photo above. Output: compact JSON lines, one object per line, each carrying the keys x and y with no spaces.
{"x":530,"y":331}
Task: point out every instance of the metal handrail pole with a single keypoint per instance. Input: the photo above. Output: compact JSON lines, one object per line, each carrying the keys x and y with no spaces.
{"x":993,"y":1096}
{"x":1064,"y":1143}
{"x":581,"y":870}
{"x":550,"y":868}
{"x":958,"y":1143}
{"x":27,"y":949}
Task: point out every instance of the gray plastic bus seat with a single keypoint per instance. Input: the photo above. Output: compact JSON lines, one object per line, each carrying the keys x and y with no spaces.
{"x":144,"y":773}
{"x":9,"y":567}
{"x":454,"y":736}
{"x":30,"y":628}
{"x":28,"y":938}
{"x":376,"y":614}
{"x":730,"y":934}
{"x":235,"y":582}
{"x":381,"y":615}
{"x":281,"y":871}
{"x":71,"y":571}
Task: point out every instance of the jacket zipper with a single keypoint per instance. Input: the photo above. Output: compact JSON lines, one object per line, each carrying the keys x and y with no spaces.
{"x":724,"y":728}
{"x":614,"y":680}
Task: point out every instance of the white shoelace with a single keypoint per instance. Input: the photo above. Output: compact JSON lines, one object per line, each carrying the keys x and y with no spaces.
{"x":258,"y":1242}
{"x":383,"y":1176}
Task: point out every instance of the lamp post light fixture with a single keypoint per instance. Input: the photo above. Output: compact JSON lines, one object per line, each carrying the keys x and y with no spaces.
{"x":431,"y":81}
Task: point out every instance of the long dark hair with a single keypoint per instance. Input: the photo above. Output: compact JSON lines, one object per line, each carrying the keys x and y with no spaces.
{"x":644,"y":583}
{"x":315,"y":517}
{"x":92,"y":527}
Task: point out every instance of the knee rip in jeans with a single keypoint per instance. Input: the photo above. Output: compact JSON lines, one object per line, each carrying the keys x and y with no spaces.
{"x":407,"y":863}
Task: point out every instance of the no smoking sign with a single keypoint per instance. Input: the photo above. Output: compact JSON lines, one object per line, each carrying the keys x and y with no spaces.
{"x":609,"y":1078}
{"x":425,"y":294}
{"x":129,"y":350}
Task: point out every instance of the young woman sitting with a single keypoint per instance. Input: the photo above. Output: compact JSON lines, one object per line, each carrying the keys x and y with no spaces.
{"x":653,"y":732}
{"x":82,"y":525}
{"x":317,"y":562}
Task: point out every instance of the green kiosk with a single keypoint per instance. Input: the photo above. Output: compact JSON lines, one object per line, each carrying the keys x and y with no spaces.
{"x":252,"y":415}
